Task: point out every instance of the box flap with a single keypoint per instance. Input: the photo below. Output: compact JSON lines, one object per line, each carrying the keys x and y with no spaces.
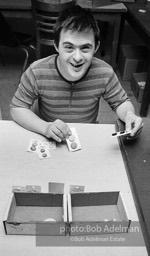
{"x":11,"y":199}
{"x":69,"y":209}
{"x":65,"y":208}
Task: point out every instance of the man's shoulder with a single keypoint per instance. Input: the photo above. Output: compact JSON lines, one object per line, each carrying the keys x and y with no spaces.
{"x":44,"y":62}
{"x":101,"y":64}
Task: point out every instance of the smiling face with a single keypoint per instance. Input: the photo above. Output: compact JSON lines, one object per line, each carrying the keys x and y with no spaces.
{"x":76,"y":50}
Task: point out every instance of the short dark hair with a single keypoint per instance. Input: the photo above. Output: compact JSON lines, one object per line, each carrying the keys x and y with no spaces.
{"x":78,"y":19}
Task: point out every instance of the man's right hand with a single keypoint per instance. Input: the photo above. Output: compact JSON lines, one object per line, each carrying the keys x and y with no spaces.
{"x":58,"y":130}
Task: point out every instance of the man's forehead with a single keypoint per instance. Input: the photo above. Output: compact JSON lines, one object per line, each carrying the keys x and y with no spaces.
{"x":71,"y":35}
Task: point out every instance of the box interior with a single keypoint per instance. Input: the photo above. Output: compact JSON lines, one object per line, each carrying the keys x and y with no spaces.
{"x":31,"y":207}
{"x":97,"y":207}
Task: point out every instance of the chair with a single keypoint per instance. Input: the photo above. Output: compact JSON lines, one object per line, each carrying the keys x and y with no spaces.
{"x":20,"y":41}
{"x":45,"y":14}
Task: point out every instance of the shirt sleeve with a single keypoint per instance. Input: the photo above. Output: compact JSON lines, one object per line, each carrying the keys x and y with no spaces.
{"x":114,"y":94}
{"x":27,"y":91}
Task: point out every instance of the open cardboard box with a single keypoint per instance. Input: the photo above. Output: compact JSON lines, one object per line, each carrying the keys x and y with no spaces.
{"x":59,"y":214}
{"x":33,"y":214}
{"x":97,"y":213}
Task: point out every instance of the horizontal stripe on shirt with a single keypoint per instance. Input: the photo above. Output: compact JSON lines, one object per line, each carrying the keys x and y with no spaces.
{"x":61,"y":99}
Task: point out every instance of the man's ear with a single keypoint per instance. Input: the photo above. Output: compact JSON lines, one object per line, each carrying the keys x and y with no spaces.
{"x":56,"y":48}
{"x":98,"y":45}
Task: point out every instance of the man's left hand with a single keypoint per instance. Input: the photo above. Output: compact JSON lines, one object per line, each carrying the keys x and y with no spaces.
{"x":133,"y":123}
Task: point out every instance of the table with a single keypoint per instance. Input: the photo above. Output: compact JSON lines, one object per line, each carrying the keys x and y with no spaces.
{"x":98,"y":166}
{"x":107,"y":11}
{"x":140,"y":22}
{"x":136,"y":154}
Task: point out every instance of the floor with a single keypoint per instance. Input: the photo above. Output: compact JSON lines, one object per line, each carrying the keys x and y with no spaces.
{"x":10,"y":75}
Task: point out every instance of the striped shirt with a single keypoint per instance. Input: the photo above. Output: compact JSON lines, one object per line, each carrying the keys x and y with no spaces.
{"x":72,"y":102}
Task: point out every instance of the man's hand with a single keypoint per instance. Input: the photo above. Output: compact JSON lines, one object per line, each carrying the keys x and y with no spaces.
{"x":133,"y":123}
{"x":58,"y":130}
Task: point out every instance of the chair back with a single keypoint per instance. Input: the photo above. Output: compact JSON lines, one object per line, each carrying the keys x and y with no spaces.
{"x":45,"y":14}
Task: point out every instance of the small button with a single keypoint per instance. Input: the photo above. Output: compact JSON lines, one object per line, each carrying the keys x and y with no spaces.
{"x":72,"y":138}
{"x":44,"y":155}
{"x":33,"y":148}
{"x":74,"y":145}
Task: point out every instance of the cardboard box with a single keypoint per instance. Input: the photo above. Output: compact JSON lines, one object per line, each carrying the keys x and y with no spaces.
{"x":57,"y":214}
{"x":132,"y":59}
{"x":97,"y":213}
{"x":138,"y":85}
{"x":34,"y":214}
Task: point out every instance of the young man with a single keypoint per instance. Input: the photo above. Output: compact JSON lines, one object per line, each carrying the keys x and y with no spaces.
{"x":69,"y":85}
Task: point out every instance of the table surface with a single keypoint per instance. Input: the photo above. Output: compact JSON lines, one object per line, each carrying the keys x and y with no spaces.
{"x":98,"y":166}
{"x":142,"y":19}
{"x":137,"y":154}
{"x":107,"y":5}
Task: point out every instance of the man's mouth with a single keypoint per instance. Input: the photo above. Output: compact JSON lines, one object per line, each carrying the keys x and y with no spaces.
{"x":77,"y":65}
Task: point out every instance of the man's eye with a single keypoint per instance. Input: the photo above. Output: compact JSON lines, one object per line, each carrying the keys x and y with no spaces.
{"x":86,"y":49}
{"x":69,"y":48}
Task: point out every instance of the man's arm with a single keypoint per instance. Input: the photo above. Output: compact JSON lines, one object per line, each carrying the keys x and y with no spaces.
{"x":126,"y":113}
{"x":20,"y":111}
{"x":57,"y":130}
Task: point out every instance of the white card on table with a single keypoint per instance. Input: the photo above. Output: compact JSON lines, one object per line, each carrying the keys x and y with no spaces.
{"x":73,"y":141}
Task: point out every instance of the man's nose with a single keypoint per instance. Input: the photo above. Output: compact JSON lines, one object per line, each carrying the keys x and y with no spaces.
{"x":77,"y":55}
